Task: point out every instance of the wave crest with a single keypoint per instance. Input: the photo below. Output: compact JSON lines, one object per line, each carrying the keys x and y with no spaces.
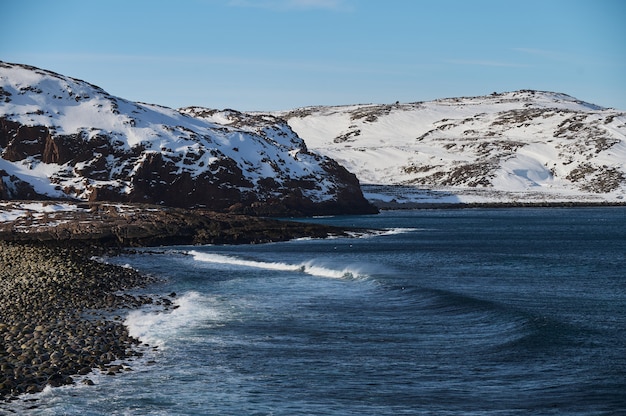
{"x":309,"y":267}
{"x":192,"y":310}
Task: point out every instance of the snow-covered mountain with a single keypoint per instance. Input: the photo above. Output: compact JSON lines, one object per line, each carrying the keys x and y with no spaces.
{"x":65,"y":138}
{"x":524,"y":146}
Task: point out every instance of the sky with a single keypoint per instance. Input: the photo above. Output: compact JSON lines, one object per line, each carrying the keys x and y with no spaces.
{"x":267,"y":55}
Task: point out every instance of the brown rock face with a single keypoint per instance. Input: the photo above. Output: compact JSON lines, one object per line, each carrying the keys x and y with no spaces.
{"x":156,"y":181}
{"x":115,"y":225}
{"x":145,"y":176}
{"x":12,"y":187}
{"x":21,"y":141}
{"x":66,"y":138}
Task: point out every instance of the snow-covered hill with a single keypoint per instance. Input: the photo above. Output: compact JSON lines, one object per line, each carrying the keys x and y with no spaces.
{"x":524,"y":146}
{"x":61,"y":137}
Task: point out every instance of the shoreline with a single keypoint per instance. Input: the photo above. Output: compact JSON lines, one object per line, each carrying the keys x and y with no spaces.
{"x":141,"y":225}
{"x":58,"y":319}
{"x":395,"y":206}
{"x":47,"y":291}
{"x":58,"y":306}
{"x":416,"y":197}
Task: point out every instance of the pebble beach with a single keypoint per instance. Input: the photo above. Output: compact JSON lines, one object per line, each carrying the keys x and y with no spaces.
{"x":61,"y":307}
{"x":50,"y":329}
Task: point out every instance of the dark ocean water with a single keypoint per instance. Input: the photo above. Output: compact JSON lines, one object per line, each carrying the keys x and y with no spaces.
{"x":477,"y":311}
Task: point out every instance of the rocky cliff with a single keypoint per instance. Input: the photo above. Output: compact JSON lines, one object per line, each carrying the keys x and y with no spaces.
{"x":65,"y":138}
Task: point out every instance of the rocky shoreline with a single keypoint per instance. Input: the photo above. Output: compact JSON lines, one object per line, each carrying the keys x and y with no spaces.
{"x":58,"y":301}
{"x":142,"y":225}
{"x":390,"y":206}
{"x":47,"y":336}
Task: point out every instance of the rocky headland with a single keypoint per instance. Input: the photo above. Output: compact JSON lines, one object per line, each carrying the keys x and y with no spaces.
{"x":64,"y":138}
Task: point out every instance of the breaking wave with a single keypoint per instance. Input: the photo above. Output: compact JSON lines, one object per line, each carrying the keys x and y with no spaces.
{"x":381,"y":232}
{"x":192,"y":310}
{"x":308,"y":267}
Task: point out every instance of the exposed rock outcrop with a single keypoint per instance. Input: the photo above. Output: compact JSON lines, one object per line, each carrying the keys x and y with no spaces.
{"x":128,"y":225}
{"x":12,"y":187}
{"x":70,"y":139}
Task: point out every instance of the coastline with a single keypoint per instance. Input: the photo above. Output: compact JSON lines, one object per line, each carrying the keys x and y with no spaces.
{"x":57,"y":315}
{"x":394,"y":206}
{"x":393,"y":197}
{"x":47,"y":337}
{"x":58,"y":301}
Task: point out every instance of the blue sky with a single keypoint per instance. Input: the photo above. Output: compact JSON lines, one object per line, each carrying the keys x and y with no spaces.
{"x":281,"y":54}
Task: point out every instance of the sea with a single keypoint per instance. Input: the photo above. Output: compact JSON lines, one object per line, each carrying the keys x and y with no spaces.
{"x":507,"y":311}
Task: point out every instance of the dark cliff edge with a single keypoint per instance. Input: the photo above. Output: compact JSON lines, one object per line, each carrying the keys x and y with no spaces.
{"x":61,"y":137}
{"x":156,"y":180}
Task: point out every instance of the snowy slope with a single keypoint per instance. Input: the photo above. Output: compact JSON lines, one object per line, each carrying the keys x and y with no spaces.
{"x":67,"y":138}
{"x":62,"y":137}
{"x":525,"y":146}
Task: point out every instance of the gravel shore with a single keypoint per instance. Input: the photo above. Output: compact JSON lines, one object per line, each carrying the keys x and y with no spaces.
{"x":46,"y":334}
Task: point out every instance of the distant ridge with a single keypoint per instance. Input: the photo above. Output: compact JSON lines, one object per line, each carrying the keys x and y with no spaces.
{"x":515,"y":147}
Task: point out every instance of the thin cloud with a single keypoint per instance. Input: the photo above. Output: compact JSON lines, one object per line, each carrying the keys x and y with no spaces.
{"x":478,"y":62}
{"x":286,"y":5}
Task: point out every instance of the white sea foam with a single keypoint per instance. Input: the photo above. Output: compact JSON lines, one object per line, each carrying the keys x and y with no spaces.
{"x":386,"y":231}
{"x":399,"y":230}
{"x":309,"y":267}
{"x":193,"y":310}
